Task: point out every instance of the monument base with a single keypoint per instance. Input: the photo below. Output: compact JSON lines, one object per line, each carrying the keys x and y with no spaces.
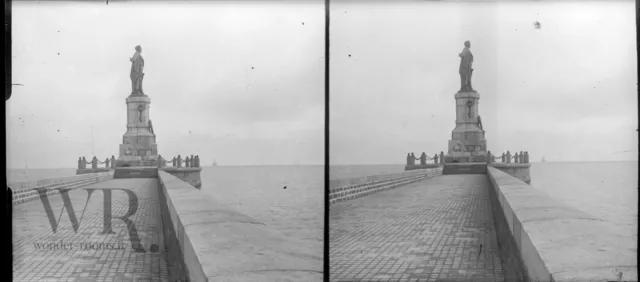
{"x":465,"y":159}
{"x":135,"y":172}
{"x":135,"y":161}
{"x":465,"y":168}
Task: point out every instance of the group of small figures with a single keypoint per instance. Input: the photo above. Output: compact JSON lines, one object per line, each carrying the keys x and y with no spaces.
{"x":411,"y":158}
{"x":193,"y":161}
{"x":82,"y":162}
{"x":522,"y":158}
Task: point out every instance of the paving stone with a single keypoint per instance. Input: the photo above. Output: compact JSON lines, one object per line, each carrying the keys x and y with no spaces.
{"x":31,"y":225}
{"x":427,"y":231}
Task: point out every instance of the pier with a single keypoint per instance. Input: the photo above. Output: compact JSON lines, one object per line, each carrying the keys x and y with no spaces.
{"x":158,"y":228}
{"x":489,"y":226}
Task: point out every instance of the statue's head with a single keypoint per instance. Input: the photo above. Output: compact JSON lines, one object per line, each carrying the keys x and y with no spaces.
{"x":138,"y":49}
{"x":467,"y":44}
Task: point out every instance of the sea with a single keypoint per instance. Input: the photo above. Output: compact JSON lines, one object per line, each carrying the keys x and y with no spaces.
{"x":607,"y":190}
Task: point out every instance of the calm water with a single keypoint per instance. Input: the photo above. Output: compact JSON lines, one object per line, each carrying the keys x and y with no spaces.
{"x":258,"y":191}
{"x":607,"y":190}
{"x":297,"y":211}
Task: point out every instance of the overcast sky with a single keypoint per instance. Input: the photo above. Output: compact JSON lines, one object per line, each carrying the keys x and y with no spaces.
{"x":239,"y":83}
{"x":566,"y":91}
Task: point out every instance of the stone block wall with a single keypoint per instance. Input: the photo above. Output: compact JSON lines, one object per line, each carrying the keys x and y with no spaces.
{"x":217,"y":243}
{"x":190,"y":175}
{"x":347,"y":189}
{"x":543,"y":239}
{"x":29,"y":190}
{"x":517,"y":170}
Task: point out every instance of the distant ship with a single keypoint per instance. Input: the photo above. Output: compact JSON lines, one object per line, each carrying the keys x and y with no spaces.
{"x":543,"y":160}
{"x":214,"y":163}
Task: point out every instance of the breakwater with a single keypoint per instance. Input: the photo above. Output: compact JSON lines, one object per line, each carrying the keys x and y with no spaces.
{"x":543,"y":239}
{"x":218,"y":243}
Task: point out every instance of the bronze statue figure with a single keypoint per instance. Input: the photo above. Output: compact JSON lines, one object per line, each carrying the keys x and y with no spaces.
{"x":137,"y":66}
{"x":466,"y":63}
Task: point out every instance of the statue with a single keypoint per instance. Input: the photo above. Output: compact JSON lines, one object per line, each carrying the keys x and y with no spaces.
{"x":137,"y":66}
{"x":480,"y":123}
{"x":466,"y":63}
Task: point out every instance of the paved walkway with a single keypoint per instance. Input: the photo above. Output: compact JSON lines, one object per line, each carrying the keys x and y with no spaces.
{"x":427,"y":231}
{"x":87,"y":255}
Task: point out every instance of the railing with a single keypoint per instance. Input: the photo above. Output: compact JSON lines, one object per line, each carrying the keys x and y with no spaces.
{"x":192,"y":161}
{"x":31,"y":190}
{"x":108,"y":163}
{"x":506,"y":158}
{"x":437,"y":159}
{"x":352,"y":188}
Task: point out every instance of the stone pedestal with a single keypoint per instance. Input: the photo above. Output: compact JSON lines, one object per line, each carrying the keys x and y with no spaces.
{"x":467,"y":144}
{"x":138,"y":146}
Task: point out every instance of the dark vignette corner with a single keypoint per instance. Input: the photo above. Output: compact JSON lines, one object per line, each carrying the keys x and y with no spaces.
{"x":326,"y":145}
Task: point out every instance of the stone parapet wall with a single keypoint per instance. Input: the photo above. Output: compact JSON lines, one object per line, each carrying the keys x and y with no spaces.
{"x":517,"y":170}
{"x":347,"y":189}
{"x":543,"y":239}
{"x":217,"y":243}
{"x":190,"y":175}
{"x":28,"y":190}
